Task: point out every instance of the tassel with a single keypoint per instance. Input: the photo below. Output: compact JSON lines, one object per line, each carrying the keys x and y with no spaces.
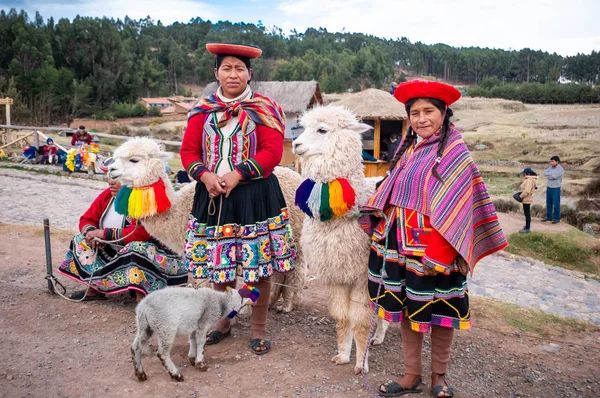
{"x":135,"y":203}
{"x":162,"y":200}
{"x":336,"y":199}
{"x":122,"y":200}
{"x":249,"y":292}
{"x":148,"y":203}
{"x":348,"y":193}
{"x":314,"y":201}
{"x":325,"y":209}
{"x":302,"y":195}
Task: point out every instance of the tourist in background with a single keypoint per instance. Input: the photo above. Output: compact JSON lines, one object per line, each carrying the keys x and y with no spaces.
{"x":527,"y":187}
{"x":554,"y":175}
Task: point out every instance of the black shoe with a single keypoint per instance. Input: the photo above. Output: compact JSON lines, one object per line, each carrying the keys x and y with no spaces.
{"x":546,"y":219}
{"x":555,"y":222}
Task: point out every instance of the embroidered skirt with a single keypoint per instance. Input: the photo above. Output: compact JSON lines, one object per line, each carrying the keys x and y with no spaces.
{"x":247,"y":234}
{"x":141,"y":266}
{"x":440,"y":300}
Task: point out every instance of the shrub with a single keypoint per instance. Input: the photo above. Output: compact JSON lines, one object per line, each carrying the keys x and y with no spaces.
{"x":507,"y":206}
{"x":592,"y":189}
{"x":538,"y":211}
{"x":536,"y":93}
{"x":154,"y":111}
{"x":121,"y":110}
{"x":121,"y":130}
{"x":568,"y":214}
{"x":105,"y":115}
{"x":585,"y":204}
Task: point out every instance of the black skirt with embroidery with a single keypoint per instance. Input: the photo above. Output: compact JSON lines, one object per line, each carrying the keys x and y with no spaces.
{"x":247,"y":234}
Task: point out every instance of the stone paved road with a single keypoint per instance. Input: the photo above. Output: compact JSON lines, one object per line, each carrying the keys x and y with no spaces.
{"x":27,"y":197}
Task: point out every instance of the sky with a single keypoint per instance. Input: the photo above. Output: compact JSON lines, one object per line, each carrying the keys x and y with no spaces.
{"x":564,"y":27}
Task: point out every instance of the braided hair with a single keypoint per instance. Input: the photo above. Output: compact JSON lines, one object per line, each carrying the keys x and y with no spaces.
{"x":411,"y":136}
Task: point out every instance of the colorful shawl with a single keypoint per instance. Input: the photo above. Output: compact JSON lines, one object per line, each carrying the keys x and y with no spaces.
{"x":459,"y":208}
{"x":259,"y":109}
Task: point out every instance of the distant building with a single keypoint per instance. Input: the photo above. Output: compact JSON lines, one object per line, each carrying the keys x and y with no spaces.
{"x":160,"y":102}
{"x":564,"y":80}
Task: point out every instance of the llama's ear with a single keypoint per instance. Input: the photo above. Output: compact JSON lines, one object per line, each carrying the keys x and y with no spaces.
{"x":359,"y":127}
{"x":228,"y":288}
{"x":165,"y":155}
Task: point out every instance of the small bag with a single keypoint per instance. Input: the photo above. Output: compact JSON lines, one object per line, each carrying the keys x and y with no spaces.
{"x":517,"y":197}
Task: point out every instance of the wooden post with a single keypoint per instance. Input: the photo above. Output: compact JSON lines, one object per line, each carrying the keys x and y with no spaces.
{"x":377,"y":139}
{"x":404,"y":128}
{"x":7,"y":102}
{"x":37,"y":139}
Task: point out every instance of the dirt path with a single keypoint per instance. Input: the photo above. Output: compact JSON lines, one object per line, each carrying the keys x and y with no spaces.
{"x":50,"y":347}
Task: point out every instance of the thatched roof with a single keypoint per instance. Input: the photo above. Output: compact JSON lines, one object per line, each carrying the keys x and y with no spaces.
{"x":372,"y":104}
{"x":294,"y":97}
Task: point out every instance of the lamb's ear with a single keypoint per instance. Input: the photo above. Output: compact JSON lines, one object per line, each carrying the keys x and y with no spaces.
{"x":359,"y":127}
{"x":247,"y":301}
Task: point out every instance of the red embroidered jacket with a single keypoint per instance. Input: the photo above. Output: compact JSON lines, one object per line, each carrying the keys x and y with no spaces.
{"x":417,"y":238}
{"x":269,"y":150}
{"x":92,"y":219}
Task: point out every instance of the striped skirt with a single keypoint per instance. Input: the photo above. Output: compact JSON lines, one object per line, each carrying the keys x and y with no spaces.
{"x":440,"y":300}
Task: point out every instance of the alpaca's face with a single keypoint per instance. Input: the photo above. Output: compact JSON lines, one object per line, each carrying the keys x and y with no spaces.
{"x":139,"y":162}
{"x":331,"y":145}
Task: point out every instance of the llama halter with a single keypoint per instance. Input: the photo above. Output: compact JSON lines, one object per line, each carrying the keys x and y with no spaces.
{"x":246,"y":292}
{"x":325,"y":201}
{"x":142,"y":202}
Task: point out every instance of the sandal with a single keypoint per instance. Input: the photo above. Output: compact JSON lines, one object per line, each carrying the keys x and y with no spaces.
{"x":395,"y":389}
{"x":215,"y":336}
{"x":437,"y":390}
{"x":78,"y":295}
{"x":260,"y":346}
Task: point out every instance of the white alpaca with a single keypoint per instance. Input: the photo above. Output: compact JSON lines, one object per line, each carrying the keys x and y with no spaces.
{"x":140,"y":162}
{"x":181,"y":311}
{"x":338,"y":250}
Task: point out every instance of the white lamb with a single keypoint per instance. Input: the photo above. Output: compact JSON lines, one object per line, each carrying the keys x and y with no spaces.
{"x":183,"y":311}
{"x":329,"y":149}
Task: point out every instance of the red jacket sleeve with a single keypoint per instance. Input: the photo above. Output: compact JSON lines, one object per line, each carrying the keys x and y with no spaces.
{"x":73,"y":139}
{"x":268,"y":154}
{"x":91,"y":218}
{"x":122,"y":237}
{"x":439,"y":253}
{"x":191,"y":147}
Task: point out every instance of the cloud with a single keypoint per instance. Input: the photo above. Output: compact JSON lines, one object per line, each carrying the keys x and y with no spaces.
{"x":167,"y":11}
{"x":549,"y":25}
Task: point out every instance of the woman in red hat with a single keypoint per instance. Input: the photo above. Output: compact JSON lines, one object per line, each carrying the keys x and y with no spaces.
{"x":431,"y":221}
{"x":239,"y":221}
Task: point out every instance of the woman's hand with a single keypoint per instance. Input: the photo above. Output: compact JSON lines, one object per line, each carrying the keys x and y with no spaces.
{"x":429,"y":271}
{"x":231,"y":180}
{"x":90,"y":235}
{"x":214,"y":184}
{"x":463,"y":266}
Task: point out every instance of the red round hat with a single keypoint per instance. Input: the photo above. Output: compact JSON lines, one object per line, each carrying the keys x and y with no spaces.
{"x":242,"y":50}
{"x":426,"y":89}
